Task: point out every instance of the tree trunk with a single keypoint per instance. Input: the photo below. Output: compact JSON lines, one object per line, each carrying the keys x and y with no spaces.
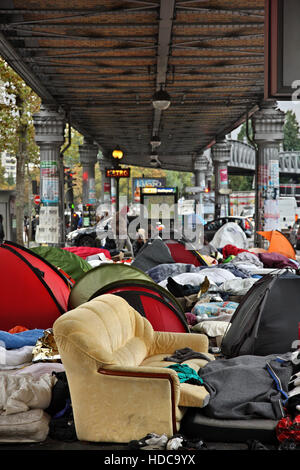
{"x":20,"y":179}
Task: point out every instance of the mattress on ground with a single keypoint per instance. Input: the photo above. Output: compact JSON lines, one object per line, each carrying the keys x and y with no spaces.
{"x":195,"y":425}
{"x":28,"y":426}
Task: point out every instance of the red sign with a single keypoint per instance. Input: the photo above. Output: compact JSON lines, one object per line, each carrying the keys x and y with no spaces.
{"x":37,"y":199}
{"x":223,"y":176}
{"x":117,"y":173}
{"x":106,"y":187}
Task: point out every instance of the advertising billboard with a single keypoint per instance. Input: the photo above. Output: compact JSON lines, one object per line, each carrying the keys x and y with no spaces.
{"x":138,"y":183}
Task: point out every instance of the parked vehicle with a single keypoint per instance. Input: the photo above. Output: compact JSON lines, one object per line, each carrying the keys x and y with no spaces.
{"x":213,"y":226}
{"x":248,"y":211}
{"x":287,"y":212}
{"x":93,"y":236}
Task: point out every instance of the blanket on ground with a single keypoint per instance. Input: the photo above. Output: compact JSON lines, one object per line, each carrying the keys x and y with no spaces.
{"x":247,"y":387}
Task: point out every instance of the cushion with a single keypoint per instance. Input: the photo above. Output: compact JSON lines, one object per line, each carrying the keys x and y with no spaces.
{"x":212,"y":328}
{"x":190,"y":394}
{"x":28,"y":426}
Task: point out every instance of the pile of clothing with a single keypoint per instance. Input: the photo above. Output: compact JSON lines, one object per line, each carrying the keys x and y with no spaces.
{"x":34,"y":394}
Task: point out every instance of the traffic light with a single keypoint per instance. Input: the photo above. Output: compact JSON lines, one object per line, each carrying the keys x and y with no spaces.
{"x":208,"y":187}
{"x":69,"y":177}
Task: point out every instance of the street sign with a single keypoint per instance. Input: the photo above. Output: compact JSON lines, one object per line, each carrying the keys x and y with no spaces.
{"x":37,"y":199}
{"x":117,"y":172}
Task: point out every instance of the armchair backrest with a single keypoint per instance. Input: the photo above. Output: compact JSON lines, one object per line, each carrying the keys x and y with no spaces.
{"x":108,"y":330}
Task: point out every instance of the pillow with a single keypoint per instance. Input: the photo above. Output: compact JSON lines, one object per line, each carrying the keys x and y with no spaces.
{"x":211,"y":328}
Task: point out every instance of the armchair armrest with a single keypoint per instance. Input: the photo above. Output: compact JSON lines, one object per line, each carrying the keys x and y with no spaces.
{"x":151,"y":394}
{"x":166,"y":342}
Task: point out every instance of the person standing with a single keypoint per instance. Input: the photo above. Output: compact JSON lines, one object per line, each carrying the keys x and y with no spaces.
{"x":2,"y":235}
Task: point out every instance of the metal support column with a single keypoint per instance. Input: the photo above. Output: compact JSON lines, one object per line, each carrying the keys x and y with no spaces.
{"x":200,"y":166}
{"x":268,"y":125}
{"x":49,"y":135}
{"x":88,"y":158}
{"x":221,"y":157}
{"x":105,"y":197}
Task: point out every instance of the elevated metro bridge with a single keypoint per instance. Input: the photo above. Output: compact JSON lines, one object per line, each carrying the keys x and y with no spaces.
{"x":99,"y":65}
{"x":242,"y":160}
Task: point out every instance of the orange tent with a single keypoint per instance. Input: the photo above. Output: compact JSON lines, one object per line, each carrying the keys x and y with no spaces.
{"x":279,"y":243}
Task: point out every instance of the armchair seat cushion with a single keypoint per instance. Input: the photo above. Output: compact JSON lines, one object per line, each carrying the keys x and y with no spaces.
{"x":190,"y":394}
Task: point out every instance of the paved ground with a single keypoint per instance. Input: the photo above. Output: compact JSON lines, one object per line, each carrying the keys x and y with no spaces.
{"x":51,"y":445}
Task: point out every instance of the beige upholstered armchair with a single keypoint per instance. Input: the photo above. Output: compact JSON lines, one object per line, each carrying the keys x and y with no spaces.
{"x":121,"y":388}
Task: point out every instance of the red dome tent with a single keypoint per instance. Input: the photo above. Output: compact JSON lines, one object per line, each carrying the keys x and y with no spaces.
{"x":152,"y":302}
{"x":33,"y":292}
{"x":181,"y":254}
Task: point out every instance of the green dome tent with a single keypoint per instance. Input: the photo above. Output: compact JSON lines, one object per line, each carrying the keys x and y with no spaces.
{"x":100,"y":276}
{"x":70,"y":263}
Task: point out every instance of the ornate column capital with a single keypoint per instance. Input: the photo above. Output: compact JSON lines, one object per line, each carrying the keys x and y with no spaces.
{"x":268,"y":123}
{"x":88,"y":153}
{"x":221,"y":151}
{"x":201,"y":163}
{"x":49,"y":124}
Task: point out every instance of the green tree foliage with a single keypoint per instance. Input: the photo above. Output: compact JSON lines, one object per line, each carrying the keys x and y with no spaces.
{"x":291,"y":139}
{"x":180,"y":180}
{"x":242,"y":135}
{"x":71,"y":155}
{"x":241,"y":182}
{"x":18,"y":104}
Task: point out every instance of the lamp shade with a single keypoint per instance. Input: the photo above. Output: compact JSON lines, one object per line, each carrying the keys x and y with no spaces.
{"x":161,"y":100}
{"x":117,"y":153}
{"x":155,"y":141}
